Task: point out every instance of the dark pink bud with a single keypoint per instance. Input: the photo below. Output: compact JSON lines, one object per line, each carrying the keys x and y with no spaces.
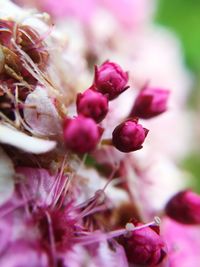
{"x":110,"y":79}
{"x":150,"y":102}
{"x":145,"y":247}
{"x":81,"y":134}
{"x":92,"y":104}
{"x":129,"y":136}
{"x":184,"y":207}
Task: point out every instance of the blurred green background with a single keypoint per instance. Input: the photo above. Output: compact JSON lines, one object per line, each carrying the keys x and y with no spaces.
{"x":183,"y":18}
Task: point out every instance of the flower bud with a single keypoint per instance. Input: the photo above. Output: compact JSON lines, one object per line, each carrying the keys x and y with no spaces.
{"x":81,"y":134}
{"x":110,"y":79}
{"x":184,"y":207}
{"x":129,"y":136}
{"x":150,"y":102}
{"x":92,"y":104}
{"x":144,"y":247}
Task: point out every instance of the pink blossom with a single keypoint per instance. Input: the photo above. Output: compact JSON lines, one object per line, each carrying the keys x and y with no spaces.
{"x":110,"y":79}
{"x":145,"y":247}
{"x":5,"y":234}
{"x":92,"y":104}
{"x":130,"y":13}
{"x":23,"y":253}
{"x":81,"y":135}
{"x":62,"y":227}
{"x":183,"y":243}
{"x":184,"y":207}
{"x":83,"y":10}
{"x":40,"y":185}
{"x":129,"y":136}
{"x":150,"y":102}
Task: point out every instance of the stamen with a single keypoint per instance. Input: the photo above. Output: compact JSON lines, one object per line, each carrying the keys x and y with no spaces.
{"x":51,"y":236}
{"x":99,"y":237}
{"x":130,"y":227}
{"x":157,"y":220}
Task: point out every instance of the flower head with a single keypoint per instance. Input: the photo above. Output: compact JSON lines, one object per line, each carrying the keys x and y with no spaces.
{"x":150,"y":102}
{"x":183,"y":242}
{"x":110,"y":79}
{"x":184,"y":207}
{"x":29,"y":40}
{"x":129,"y":136}
{"x":81,"y":135}
{"x":92,"y":104}
{"x":18,"y":43}
{"x":62,"y":226}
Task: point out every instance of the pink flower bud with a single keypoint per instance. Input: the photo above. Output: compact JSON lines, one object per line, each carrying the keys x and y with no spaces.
{"x":150,"y":102}
{"x":110,"y":79}
{"x":92,"y":104}
{"x":184,"y":207}
{"x":129,"y":136}
{"x":81,"y":134}
{"x":145,"y":247}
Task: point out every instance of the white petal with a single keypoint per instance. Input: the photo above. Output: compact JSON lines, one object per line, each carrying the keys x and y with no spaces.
{"x":25,"y":142}
{"x":44,"y":118}
{"x":6,"y":177}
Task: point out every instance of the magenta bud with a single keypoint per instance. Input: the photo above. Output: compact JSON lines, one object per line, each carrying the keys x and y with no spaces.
{"x":110,"y":79}
{"x":129,"y":136}
{"x":150,"y":102}
{"x":81,"y":134}
{"x":184,"y":207}
{"x":145,"y":247}
{"x":92,"y":104}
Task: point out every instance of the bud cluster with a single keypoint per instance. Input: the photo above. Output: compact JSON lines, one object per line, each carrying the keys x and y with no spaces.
{"x":82,"y":133}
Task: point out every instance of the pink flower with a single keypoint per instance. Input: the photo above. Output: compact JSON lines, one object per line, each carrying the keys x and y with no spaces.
{"x":5,"y":234}
{"x":110,"y":79}
{"x":184,"y":207}
{"x":92,"y":104}
{"x":42,"y":186}
{"x":129,"y":136}
{"x":81,"y":135}
{"x":82,"y":10}
{"x":183,"y":242}
{"x":129,"y":13}
{"x":150,"y":102}
{"x":145,"y":247}
{"x":63,"y":227}
{"x":24,"y":253}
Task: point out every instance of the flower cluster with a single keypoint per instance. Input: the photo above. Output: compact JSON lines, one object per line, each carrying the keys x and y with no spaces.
{"x":68,"y":196}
